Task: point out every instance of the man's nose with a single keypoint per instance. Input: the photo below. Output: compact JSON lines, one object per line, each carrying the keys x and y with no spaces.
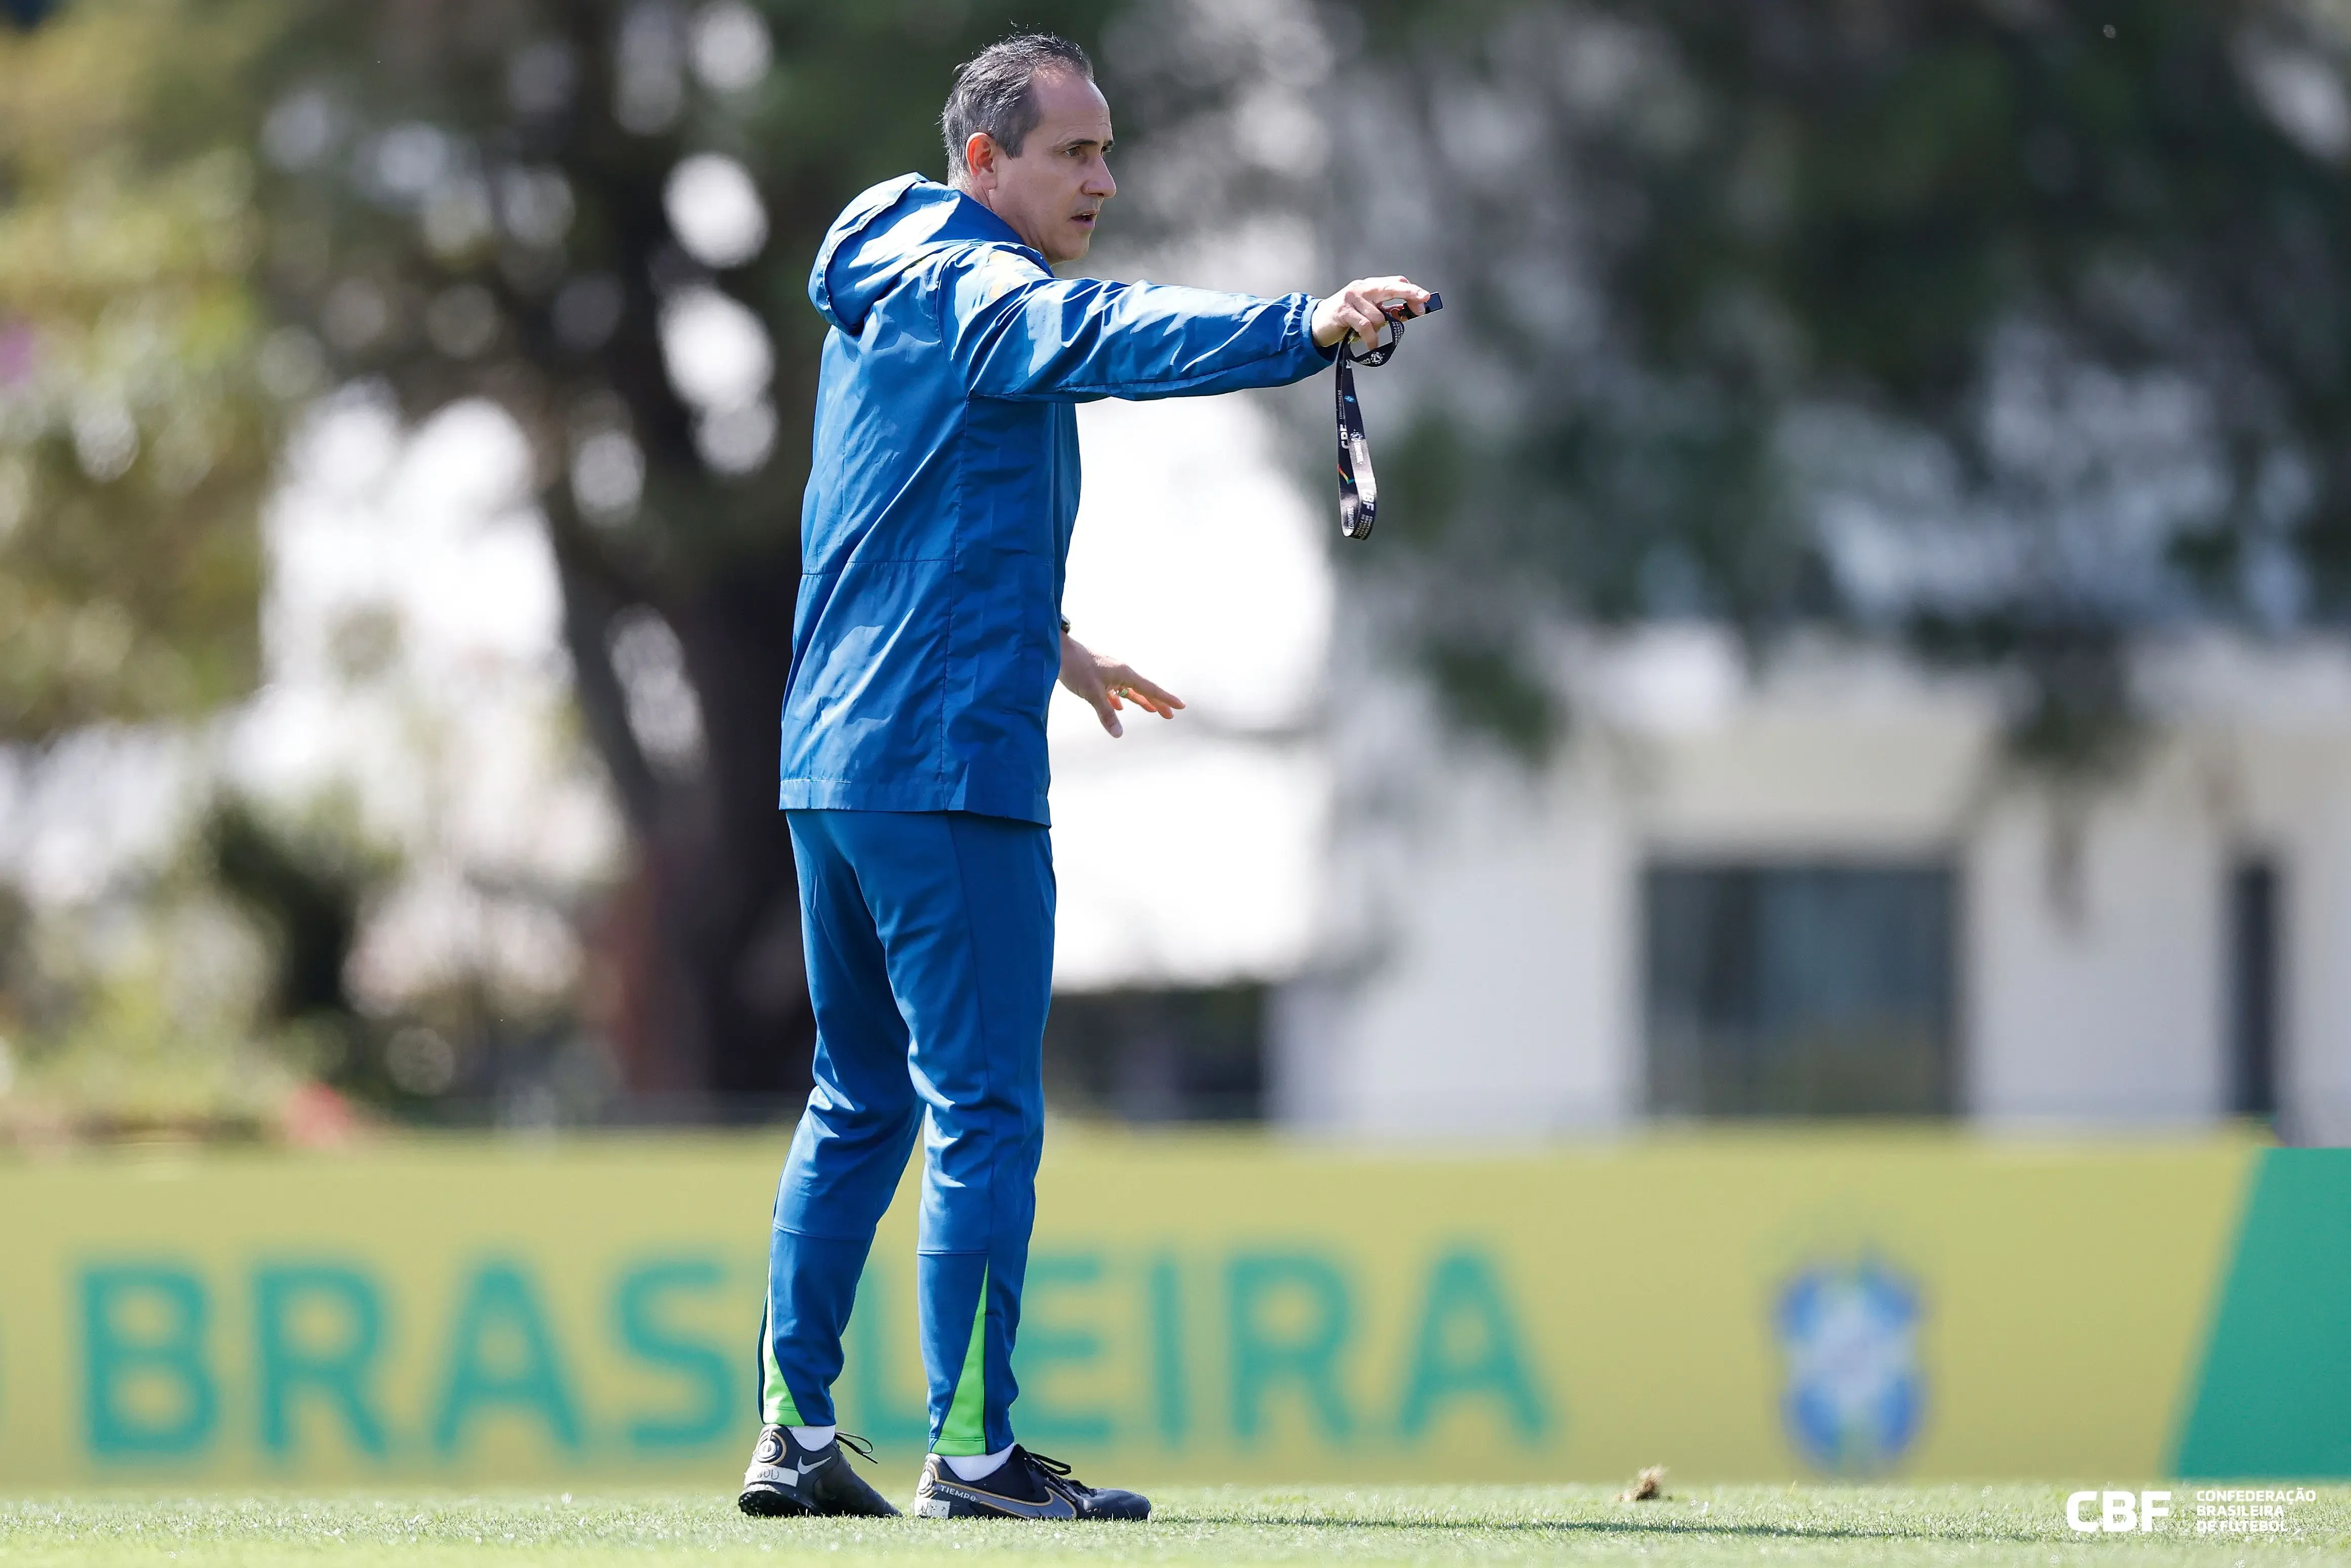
{"x":1099,"y":185}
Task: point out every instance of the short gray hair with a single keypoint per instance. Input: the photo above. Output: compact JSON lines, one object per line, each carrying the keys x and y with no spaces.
{"x":994,"y":92}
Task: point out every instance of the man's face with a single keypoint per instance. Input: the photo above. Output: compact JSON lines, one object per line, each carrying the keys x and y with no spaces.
{"x":1052,"y":193}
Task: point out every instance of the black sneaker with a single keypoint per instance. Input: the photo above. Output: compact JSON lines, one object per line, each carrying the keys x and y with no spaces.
{"x":1025,"y":1486}
{"x":786,"y":1479}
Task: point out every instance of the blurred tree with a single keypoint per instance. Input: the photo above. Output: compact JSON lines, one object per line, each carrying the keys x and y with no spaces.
{"x":2019,"y":328}
{"x":135,"y":434}
{"x":600,"y":214}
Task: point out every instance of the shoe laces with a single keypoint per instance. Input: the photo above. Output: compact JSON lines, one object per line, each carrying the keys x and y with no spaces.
{"x":856,"y":1445}
{"x":1054,"y":1473}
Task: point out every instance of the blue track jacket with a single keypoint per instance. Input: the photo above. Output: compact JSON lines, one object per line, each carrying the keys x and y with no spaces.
{"x":944,"y":481}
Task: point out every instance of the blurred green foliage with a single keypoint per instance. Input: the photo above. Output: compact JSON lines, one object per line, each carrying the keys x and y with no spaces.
{"x":2021,"y":330}
{"x":138,"y":1015}
{"x":137,"y":440}
{"x":135,"y":436}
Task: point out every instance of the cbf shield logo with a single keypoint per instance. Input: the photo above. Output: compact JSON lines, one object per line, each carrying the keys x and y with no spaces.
{"x":1855,"y":1397}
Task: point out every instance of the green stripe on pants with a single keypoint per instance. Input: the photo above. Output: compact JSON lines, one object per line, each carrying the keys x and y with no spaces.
{"x":964,"y":1433}
{"x":776,"y":1407}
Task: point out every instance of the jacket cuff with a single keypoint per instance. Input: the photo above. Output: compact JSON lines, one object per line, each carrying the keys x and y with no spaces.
{"x":1305,"y":319}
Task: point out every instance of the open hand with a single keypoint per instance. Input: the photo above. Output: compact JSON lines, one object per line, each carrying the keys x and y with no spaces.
{"x":1110,"y":685}
{"x":1357,"y":308}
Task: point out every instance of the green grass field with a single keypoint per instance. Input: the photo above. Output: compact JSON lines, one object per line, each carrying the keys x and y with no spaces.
{"x":1891,"y":1525}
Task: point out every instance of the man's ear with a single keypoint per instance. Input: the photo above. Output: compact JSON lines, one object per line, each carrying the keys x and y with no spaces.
{"x":979,"y":152}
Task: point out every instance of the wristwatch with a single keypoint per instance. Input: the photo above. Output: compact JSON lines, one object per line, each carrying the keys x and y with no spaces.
{"x":1065,"y":625}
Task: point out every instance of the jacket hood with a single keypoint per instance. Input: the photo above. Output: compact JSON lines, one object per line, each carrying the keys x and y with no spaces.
{"x":887,"y":230}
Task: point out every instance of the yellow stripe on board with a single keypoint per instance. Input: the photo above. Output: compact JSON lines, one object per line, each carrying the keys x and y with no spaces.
{"x":1735,"y":1306}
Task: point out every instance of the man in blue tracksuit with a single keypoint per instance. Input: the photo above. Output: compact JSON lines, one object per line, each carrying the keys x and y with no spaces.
{"x":941,"y":493}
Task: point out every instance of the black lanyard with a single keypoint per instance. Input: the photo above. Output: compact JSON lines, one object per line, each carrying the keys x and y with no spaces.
{"x":1359,"y":489}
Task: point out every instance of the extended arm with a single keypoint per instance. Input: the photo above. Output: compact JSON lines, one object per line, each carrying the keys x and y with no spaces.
{"x":1016,"y":331}
{"x":1037,"y":336}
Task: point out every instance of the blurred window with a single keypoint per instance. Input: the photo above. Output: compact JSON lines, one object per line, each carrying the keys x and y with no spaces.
{"x":1800,"y":991}
{"x":1152,"y":1055}
{"x":2253,"y":954}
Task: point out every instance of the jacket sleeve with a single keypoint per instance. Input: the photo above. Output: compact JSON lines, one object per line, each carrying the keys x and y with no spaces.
{"x":1018,"y":332}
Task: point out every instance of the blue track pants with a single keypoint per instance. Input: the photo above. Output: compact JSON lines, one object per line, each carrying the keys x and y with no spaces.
{"x":930,"y":965}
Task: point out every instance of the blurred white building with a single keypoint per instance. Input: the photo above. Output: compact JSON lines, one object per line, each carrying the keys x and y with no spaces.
{"x":1824,"y":888}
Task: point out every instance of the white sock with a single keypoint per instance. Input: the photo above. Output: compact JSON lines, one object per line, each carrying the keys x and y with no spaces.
{"x":971,"y":1467}
{"x":812,"y":1437}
